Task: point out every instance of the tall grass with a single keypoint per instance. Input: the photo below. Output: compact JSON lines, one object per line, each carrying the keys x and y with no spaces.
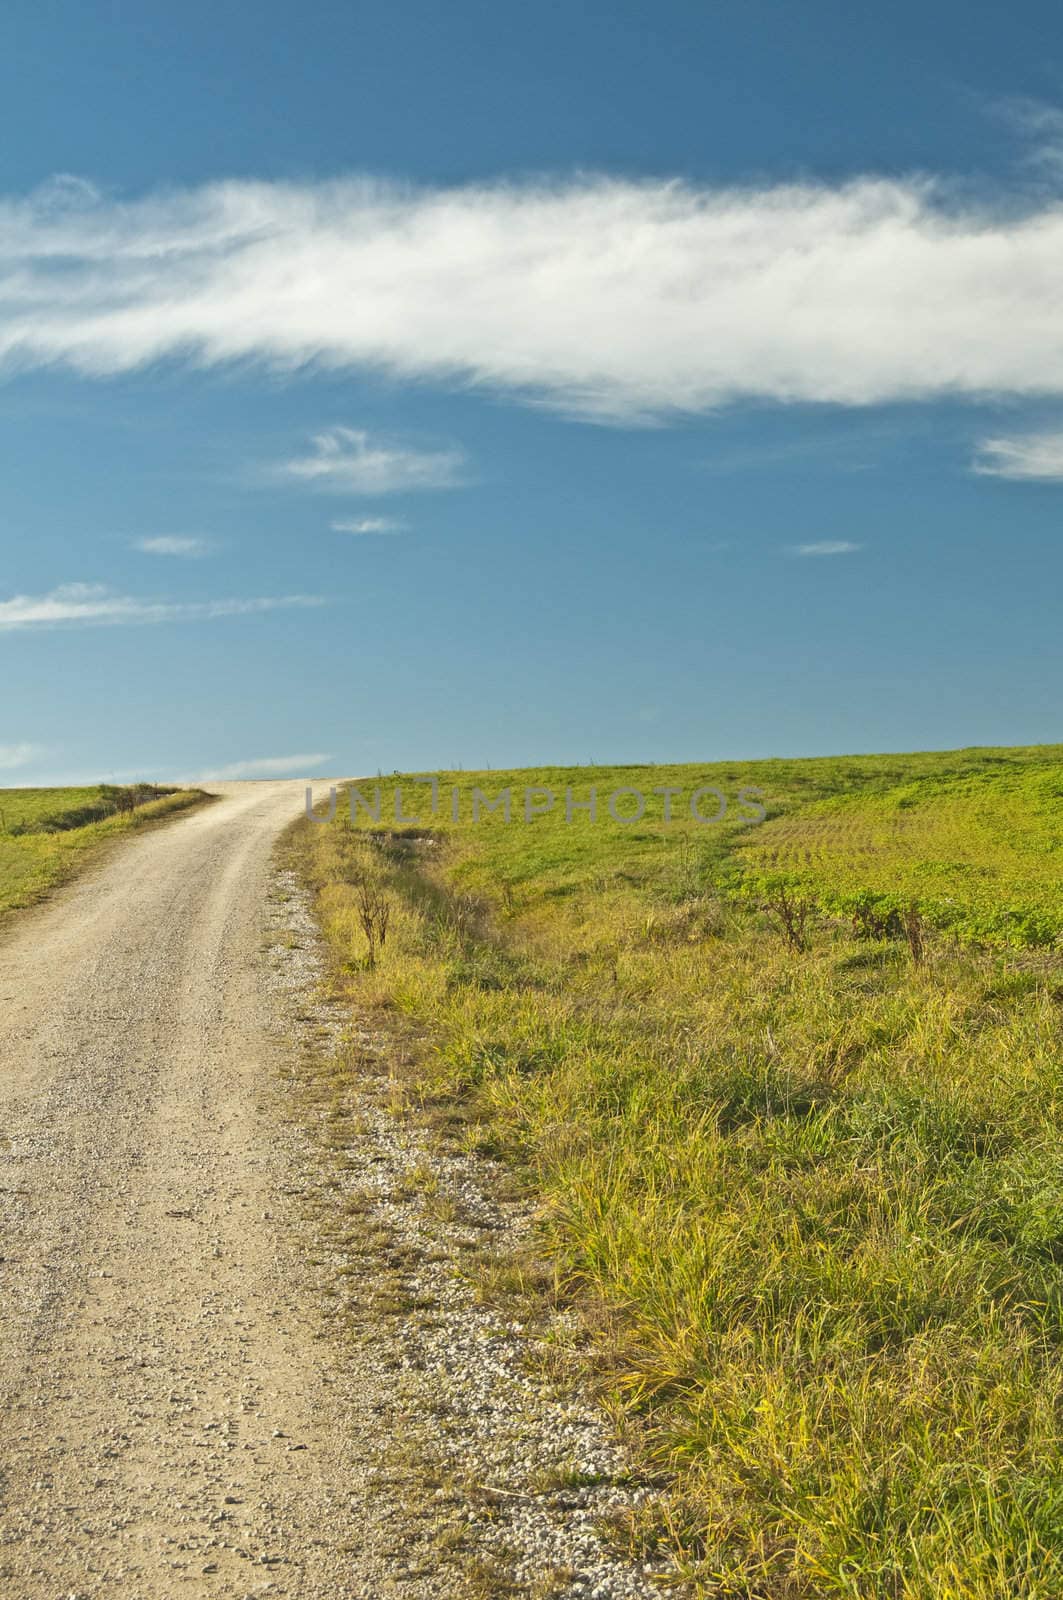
{"x":817,"y":1196}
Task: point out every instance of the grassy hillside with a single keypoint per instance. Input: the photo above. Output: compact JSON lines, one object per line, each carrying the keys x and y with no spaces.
{"x":813,"y":1184}
{"x":979,"y":855}
{"x":46,"y":834}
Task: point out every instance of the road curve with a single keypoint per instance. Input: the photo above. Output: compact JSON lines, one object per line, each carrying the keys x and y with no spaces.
{"x":166,"y":1426}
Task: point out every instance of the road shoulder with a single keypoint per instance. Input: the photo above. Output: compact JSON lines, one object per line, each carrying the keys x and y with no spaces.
{"x":494,"y":1472}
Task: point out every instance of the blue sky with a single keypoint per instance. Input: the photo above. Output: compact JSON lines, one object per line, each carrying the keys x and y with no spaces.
{"x":410,"y":386}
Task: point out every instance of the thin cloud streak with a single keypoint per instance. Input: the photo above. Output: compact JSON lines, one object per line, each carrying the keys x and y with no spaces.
{"x":93,"y":604}
{"x":369,"y":525}
{"x":348,"y":461}
{"x":1041,"y":126}
{"x":262,"y":767}
{"x":171,"y":545}
{"x":608,"y":299}
{"x":19,"y":755}
{"x":827,"y":547}
{"x":1033,"y":456}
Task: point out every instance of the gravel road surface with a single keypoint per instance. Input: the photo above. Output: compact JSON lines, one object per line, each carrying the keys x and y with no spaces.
{"x":165,"y":1428}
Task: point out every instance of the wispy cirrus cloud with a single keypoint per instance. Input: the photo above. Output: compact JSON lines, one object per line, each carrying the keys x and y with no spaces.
{"x":1041,"y":126}
{"x":1034,"y":456}
{"x":609,"y":299}
{"x":85,"y":604}
{"x":827,"y":547}
{"x":172,"y":545}
{"x":369,"y":525}
{"x":349,"y":461}
{"x":19,"y":755}
{"x":263,"y":767}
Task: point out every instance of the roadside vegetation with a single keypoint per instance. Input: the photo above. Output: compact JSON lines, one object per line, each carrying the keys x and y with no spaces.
{"x":790,"y":1096}
{"x":47,"y":834}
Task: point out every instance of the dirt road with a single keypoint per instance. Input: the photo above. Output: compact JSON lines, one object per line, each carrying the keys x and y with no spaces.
{"x":240,"y":1350}
{"x":167,"y":1428}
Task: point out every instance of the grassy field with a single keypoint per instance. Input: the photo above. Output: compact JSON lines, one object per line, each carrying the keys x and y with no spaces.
{"x":980,"y":856}
{"x":47,"y":834}
{"x":811,"y":1190}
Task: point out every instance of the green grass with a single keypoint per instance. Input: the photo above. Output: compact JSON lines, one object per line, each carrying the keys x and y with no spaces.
{"x":46,"y":835}
{"x":816,"y":1196}
{"x":980,"y":855}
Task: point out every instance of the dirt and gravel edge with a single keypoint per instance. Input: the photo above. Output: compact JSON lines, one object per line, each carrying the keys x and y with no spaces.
{"x":508,"y":1477}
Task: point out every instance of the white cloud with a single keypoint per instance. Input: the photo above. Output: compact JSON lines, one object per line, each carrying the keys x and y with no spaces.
{"x":170,"y":545}
{"x":368,"y":525}
{"x":94,"y":603}
{"x":19,"y":755}
{"x":827,"y":547}
{"x":348,"y":460}
{"x":1031,"y":455}
{"x":1042,"y":127}
{"x":262,"y":767}
{"x":65,"y":192}
{"x":611,"y":299}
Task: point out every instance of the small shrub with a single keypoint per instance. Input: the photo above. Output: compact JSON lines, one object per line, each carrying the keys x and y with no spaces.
{"x":374,"y":914}
{"x":793,"y":912}
{"x":915,"y":933}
